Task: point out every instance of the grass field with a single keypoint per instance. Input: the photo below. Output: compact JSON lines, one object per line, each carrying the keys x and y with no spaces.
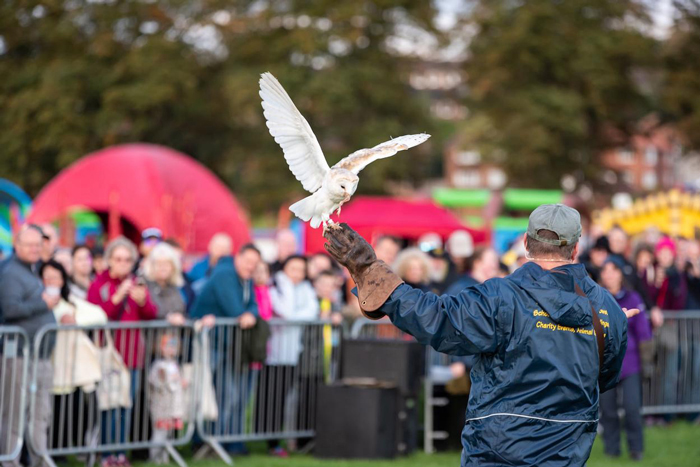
{"x":675,"y":446}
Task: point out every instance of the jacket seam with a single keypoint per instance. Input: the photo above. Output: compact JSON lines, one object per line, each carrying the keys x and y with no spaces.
{"x":531,"y":417}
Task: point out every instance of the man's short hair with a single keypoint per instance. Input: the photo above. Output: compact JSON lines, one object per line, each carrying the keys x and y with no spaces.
{"x":544,"y":250}
{"x":293,"y":258}
{"x":249,"y":247}
{"x":326,"y":273}
{"x":390,"y":238}
{"x":78,"y":247}
{"x":28,"y":227}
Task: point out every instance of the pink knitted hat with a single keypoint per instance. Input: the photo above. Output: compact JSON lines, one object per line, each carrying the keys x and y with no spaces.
{"x":666,"y":242}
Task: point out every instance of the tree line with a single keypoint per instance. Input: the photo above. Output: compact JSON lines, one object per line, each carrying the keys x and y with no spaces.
{"x":545,"y":82}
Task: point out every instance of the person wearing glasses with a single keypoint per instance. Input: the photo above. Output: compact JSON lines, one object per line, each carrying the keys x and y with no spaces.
{"x":124,"y":298}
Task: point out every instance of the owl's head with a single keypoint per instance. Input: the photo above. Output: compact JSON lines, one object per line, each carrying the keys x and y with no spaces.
{"x":344,"y":182}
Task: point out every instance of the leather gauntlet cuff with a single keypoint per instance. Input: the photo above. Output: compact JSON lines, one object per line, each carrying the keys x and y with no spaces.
{"x":374,"y":286}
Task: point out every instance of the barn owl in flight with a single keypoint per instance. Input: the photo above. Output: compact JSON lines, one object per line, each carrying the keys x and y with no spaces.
{"x":331,"y":187}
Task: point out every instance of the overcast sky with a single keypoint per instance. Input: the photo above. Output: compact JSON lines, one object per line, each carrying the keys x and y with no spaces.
{"x":661,"y":12}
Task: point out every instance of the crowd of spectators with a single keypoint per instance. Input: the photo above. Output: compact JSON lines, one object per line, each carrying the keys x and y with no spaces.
{"x":43,"y":283}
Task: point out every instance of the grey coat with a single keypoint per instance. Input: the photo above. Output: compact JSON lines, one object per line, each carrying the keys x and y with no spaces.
{"x":167,"y":299}
{"x":20,"y":300}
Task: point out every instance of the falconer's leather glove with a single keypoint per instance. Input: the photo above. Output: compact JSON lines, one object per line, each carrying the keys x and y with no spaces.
{"x":374,"y":279}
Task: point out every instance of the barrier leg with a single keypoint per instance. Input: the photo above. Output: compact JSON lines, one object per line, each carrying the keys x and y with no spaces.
{"x":175,"y":455}
{"x":217,"y":448}
{"x":47,"y":461}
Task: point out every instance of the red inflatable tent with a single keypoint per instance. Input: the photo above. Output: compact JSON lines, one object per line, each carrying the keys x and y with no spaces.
{"x":144,"y":185}
{"x":373,"y":216}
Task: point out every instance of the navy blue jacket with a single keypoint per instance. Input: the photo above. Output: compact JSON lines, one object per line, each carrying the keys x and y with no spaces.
{"x":535,"y":385}
{"x":225,"y":295}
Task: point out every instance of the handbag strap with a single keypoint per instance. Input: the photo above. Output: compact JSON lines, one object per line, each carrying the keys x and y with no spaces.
{"x":597,"y":326}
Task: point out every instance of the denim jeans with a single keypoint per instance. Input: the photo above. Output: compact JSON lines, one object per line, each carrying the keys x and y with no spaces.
{"x":116,"y":423}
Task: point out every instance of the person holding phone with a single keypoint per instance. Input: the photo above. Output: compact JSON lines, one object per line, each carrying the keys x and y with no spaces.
{"x":27,"y":304}
{"x":124,"y":299}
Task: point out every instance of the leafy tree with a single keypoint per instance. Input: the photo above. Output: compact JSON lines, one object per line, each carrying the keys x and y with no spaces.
{"x":681,"y":91}
{"x":551,"y":80}
{"x":79,"y":75}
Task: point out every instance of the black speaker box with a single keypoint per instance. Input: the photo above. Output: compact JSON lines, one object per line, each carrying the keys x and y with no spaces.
{"x":407,"y":432}
{"x":356,"y":422}
{"x":399,"y":362}
{"x":450,"y":419}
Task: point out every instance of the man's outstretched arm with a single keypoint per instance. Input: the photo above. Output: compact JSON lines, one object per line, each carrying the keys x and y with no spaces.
{"x":461,"y":325}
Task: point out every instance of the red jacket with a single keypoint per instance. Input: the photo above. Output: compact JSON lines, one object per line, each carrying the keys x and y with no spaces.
{"x":129,"y":342}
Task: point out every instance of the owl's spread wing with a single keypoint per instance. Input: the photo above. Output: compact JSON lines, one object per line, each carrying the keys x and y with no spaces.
{"x":358,"y":160}
{"x":293,"y":133}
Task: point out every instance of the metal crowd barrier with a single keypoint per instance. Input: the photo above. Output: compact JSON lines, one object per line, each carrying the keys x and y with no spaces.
{"x":248,"y":398}
{"x":148,"y":385}
{"x":111,"y":388}
{"x":14,"y":363}
{"x":436,"y":366}
{"x":674,"y":385}
{"x":364,"y":328}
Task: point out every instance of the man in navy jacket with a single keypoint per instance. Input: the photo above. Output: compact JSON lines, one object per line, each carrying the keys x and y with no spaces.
{"x":229,"y":292}
{"x":535,"y":335}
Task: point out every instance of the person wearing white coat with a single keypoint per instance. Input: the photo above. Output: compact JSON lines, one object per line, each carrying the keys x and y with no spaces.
{"x":293,"y":298}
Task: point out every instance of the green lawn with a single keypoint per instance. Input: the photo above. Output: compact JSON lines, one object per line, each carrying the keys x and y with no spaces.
{"x":675,"y":446}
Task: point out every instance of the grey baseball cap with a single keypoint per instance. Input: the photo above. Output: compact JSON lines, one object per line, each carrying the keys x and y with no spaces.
{"x":560,"y":219}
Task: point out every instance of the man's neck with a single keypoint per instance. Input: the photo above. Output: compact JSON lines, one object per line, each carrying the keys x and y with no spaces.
{"x":478,"y":276}
{"x":548,"y":265}
{"x":24,"y":262}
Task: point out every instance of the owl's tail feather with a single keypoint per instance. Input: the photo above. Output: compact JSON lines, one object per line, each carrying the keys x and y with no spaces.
{"x":306,"y":211}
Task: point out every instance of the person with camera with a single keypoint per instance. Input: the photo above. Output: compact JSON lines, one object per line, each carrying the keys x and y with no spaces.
{"x":24,"y":302}
{"x":124,"y":298}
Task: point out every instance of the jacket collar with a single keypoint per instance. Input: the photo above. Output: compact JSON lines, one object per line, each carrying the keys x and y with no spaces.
{"x":555,"y":293}
{"x":31,"y":267}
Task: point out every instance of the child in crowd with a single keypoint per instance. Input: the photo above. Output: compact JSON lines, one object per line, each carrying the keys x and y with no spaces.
{"x":261,"y":281}
{"x":328,"y":292}
{"x":167,"y":396}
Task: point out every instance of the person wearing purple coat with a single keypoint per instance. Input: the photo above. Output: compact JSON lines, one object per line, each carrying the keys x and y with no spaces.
{"x":637,"y":358}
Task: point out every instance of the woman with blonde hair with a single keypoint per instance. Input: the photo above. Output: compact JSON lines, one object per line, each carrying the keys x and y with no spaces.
{"x":163,"y":274}
{"x":413,"y":266}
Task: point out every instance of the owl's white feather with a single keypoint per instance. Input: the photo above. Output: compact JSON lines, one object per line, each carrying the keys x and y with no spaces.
{"x":360,"y":159}
{"x":331,"y":187}
{"x":293,"y":133}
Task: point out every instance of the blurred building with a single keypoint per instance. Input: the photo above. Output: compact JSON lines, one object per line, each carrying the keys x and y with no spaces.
{"x":465,"y":169}
{"x":648,"y":162}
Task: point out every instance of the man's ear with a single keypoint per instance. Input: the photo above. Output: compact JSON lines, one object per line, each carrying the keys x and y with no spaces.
{"x":574,"y":254}
{"x":525,"y":242}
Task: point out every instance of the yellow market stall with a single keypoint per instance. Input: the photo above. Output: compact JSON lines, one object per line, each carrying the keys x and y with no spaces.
{"x":675,"y":213}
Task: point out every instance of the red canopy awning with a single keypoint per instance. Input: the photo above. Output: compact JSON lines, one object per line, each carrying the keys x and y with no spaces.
{"x":374,"y":216}
{"x":149,"y":186}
